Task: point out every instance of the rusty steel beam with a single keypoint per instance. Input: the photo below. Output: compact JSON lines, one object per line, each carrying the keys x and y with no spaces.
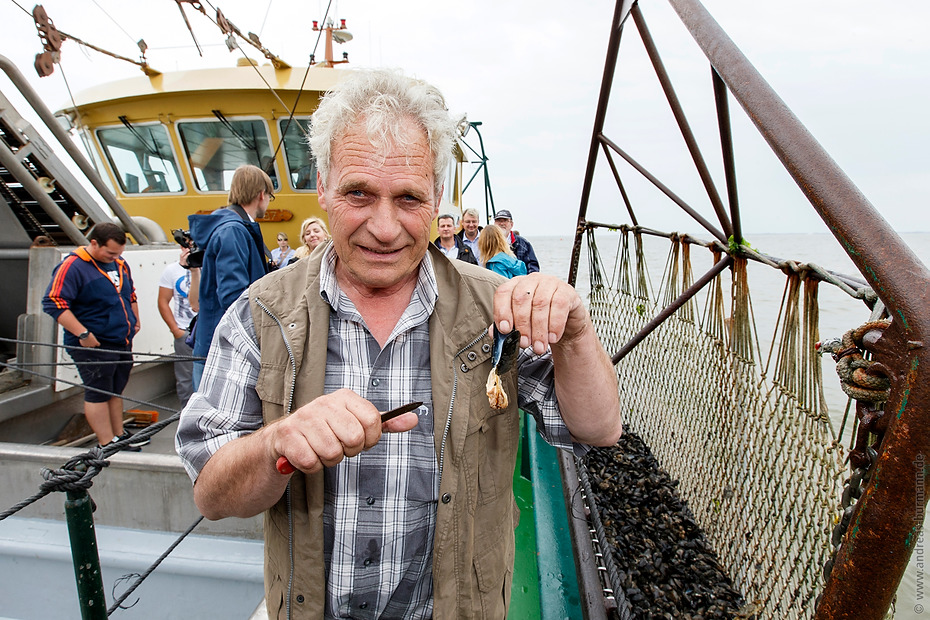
{"x":888,"y":519}
{"x":621,"y":10}
{"x":670,"y":309}
{"x":700,"y":219}
{"x":679,"y":113}
{"x":626,"y":199}
{"x":726,"y":146}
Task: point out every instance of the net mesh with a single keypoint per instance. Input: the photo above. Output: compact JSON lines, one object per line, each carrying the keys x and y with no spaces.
{"x":755,"y":455}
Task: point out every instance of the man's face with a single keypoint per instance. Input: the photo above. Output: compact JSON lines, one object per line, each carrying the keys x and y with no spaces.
{"x":380,"y":207}
{"x":470,"y":225}
{"x":105,"y":253}
{"x":505,"y":224}
{"x":264,"y":200}
{"x":446,"y":228}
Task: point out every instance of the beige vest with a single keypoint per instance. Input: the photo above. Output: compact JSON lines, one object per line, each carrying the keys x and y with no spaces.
{"x":474,"y":539}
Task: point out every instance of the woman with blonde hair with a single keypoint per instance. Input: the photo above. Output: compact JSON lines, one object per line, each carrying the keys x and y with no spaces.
{"x":492,"y":244}
{"x":313,"y":232}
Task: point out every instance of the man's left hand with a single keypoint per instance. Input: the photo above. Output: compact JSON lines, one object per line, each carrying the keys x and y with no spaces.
{"x":545,"y":309}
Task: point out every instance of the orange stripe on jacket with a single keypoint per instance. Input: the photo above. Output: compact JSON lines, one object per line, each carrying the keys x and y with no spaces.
{"x":58,"y":282}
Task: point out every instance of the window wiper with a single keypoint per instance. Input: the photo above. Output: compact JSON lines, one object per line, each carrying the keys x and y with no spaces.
{"x":138,"y":136}
{"x":248,"y":144}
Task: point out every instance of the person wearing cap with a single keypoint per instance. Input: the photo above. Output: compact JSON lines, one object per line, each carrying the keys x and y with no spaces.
{"x":522,"y":248}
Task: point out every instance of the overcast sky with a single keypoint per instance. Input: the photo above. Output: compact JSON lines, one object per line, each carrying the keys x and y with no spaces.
{"x":856,"y":73}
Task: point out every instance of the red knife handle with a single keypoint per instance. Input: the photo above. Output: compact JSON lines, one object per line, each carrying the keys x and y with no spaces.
{"x":284,"y":466}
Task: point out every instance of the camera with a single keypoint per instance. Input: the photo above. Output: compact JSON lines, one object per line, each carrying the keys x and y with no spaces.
{"x":183,"y":239}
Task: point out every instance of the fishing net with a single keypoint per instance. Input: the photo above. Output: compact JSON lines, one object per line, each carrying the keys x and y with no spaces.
{"x":750,"y":443}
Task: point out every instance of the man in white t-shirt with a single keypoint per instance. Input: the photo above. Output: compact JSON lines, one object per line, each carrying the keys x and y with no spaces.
{"x":174,"y":305}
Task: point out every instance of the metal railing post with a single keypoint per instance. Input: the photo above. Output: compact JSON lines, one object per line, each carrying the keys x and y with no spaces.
{"x":79,"y":513}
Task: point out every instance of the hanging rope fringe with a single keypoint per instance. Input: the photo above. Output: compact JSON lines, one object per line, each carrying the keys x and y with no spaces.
{"x":754,"y":453}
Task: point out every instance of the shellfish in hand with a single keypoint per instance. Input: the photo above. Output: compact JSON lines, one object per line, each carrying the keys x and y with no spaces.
{"x":503,"y":356}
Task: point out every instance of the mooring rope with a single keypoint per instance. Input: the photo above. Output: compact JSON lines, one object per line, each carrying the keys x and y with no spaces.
{"x":118,"y":603}
{"x":79,"y":471}
{"x":164,"y":356}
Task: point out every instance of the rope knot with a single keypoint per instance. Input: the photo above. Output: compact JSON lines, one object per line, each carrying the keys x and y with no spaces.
{"x":858,"y":378}
{"x":77,"y":474}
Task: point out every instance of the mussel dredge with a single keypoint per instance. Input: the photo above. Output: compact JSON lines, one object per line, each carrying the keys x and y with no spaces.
{"x":736,"y":492}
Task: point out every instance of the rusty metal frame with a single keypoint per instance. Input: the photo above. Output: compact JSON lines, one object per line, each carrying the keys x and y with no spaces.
{"x":888,"y":517}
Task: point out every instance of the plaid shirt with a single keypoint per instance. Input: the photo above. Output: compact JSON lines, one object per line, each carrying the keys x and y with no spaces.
{"x":379,"y":526}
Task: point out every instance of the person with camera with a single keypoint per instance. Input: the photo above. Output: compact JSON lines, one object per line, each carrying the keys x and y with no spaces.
{"x":177,"y":282}
{"x":233,"y":252}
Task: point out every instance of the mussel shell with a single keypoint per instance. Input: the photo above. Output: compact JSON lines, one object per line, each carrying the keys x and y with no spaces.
{"x":506,"y":348}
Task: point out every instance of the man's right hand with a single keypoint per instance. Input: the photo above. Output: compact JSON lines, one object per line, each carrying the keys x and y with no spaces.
{"x":328,"y":429}
{"x":90,"y":342}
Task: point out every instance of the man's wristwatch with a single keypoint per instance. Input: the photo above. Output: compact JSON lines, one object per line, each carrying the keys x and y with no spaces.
{"x":83,"y":335}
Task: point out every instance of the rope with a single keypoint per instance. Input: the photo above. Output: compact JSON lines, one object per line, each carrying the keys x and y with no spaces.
{"x":118,"y":603}
{"x":79,"y":472}
{"x":856,"y":378}
{"x":100,"y":349}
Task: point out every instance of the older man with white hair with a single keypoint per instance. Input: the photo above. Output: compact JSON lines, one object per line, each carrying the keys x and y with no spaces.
{"x":411,"y":517}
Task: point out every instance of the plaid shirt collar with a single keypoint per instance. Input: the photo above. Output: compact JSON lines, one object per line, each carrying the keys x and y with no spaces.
{"x":422,"y":302}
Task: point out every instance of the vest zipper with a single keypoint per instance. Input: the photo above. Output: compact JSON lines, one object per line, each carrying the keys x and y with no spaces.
{"x":287,"y":492}
{"x":290,"y":355}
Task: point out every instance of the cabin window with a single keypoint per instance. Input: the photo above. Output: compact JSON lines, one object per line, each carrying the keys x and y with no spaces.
{"x":141,"y":158}
{"x":301,"y":168}
{"x":216,"y":148}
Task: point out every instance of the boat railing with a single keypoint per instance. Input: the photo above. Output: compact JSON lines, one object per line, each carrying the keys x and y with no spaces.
{"x":871,"y":555}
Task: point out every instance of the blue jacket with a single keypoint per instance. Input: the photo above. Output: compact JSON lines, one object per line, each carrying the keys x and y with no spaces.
{"x":233,"y":258}
{"x":80,"y":284}
{"x":506,"y":265}
{"x":523,"y":250}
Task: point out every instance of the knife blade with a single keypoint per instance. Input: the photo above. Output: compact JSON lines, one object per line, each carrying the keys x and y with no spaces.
{"x":393,"y":413}
{"x":284,"y":466}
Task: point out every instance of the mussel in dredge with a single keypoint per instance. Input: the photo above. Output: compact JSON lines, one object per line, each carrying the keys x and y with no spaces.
{"x":503,"y":357}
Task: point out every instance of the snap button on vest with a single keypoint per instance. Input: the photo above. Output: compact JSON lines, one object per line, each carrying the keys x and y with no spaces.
{"x":446,"y":498}
{"x":472,"y":356}
{"x":464,"y":367}
{"x":485,"y":347}
{"x":300,"y":598}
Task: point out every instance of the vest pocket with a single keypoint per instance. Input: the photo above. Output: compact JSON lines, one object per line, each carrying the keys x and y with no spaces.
{"x":270,"y":384}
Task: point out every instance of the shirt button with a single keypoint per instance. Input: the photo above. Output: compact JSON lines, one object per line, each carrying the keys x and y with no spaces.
{"x":446,"y":498}
{"x":363,"y":606}
{"x":370,"y":501}
{"x":376,"y":382}
{"x":367,"y":562}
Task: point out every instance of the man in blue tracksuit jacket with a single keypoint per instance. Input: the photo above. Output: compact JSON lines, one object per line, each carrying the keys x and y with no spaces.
{"x":92,"y":296}
{"x":234,"y":252}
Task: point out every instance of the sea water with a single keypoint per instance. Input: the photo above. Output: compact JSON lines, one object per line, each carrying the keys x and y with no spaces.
{"x":839,"y":313}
